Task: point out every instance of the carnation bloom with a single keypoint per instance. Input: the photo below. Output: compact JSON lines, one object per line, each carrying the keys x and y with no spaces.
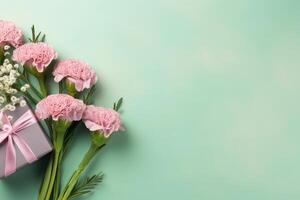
{"x":10,"y":34}
{"x":60,"y":106}
{"x":38,"y":55}
{"x":102,"y":119}
{"x":77,"y":72}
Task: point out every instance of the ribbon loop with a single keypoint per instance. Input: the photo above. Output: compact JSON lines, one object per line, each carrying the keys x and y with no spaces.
{"x":9,"y":135}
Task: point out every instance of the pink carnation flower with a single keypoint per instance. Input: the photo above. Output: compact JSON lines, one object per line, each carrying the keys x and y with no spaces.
{"x":77,"y":72}
{"x":10,"y":34}
{"x":103,"y":119}
{"x":38,"y":54}
{"x":60,"y":106}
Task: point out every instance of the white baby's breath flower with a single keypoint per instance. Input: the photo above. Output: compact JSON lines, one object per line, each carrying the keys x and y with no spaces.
{"x":6,"y":54}
{"x":9,"y":67}
{"x":6,"y":47}
{"x":12,"y":108}
{"x":14,"y":91}
{"x":8,"y":78}
{"x":23,"y":103}
{"x":2,"y":99}
{"x":7,"y":107}
{"x":13,"y":80}
{"x":10,"y":117}
{"x":23,"y":89}
{"x":10,"y":82}
{"x":13,"y":98}
{"x":10,"y":91}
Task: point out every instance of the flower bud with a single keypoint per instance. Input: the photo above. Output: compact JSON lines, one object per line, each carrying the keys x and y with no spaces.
{"x":71,"y":88}
{"x":98,"y":139}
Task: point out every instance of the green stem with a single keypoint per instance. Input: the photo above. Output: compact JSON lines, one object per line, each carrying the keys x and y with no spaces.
{"x":58,"y":178}
{"x":57,"y":155}
{"x":69,"y":133}
{"x":71,"y":90}
{"x":45,"y":184}
{"x":76,"y":175}
{"x":1,"y":54}
{"x":59,"y":130}
{"x":41,"y":80}
{"x":53,"y":174}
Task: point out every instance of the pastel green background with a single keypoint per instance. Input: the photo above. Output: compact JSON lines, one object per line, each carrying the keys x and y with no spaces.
{"x":211,"y":94}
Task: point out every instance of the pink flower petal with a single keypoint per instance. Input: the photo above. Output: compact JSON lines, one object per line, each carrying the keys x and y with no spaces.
{"x":77,"y":72}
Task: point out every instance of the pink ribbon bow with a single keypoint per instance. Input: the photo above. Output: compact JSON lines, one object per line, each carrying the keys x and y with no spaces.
{"x":9,"y":135}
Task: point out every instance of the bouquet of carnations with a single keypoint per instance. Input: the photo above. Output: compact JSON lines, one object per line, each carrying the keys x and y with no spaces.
{"x":26,"y":67}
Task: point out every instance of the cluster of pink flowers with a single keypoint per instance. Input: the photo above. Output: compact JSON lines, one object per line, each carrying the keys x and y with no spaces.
{"x":104,"y":119}
{"x":25,"y":64}
{"x":66,"y":107}
{"x":60,"y":106}
{"x":10,"y":34}
{"x":77,"y":72}
{"x":40,"y":55}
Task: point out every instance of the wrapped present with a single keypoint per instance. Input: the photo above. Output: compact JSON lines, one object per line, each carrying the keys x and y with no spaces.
{"x":22,"y":140}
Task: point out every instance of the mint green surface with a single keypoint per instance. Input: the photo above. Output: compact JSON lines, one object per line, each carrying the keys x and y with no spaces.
{"x":211,"y":94}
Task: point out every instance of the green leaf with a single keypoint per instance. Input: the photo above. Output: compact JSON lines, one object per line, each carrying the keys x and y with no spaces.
{"x":86,"y":186}
{"x":33,"y":33}
{"x":37,"y":37}
{"x":118,"y":105}
{"x":43,"y":38}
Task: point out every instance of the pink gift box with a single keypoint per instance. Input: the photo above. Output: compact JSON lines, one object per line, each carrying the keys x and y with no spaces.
{"x":25,"y":136}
